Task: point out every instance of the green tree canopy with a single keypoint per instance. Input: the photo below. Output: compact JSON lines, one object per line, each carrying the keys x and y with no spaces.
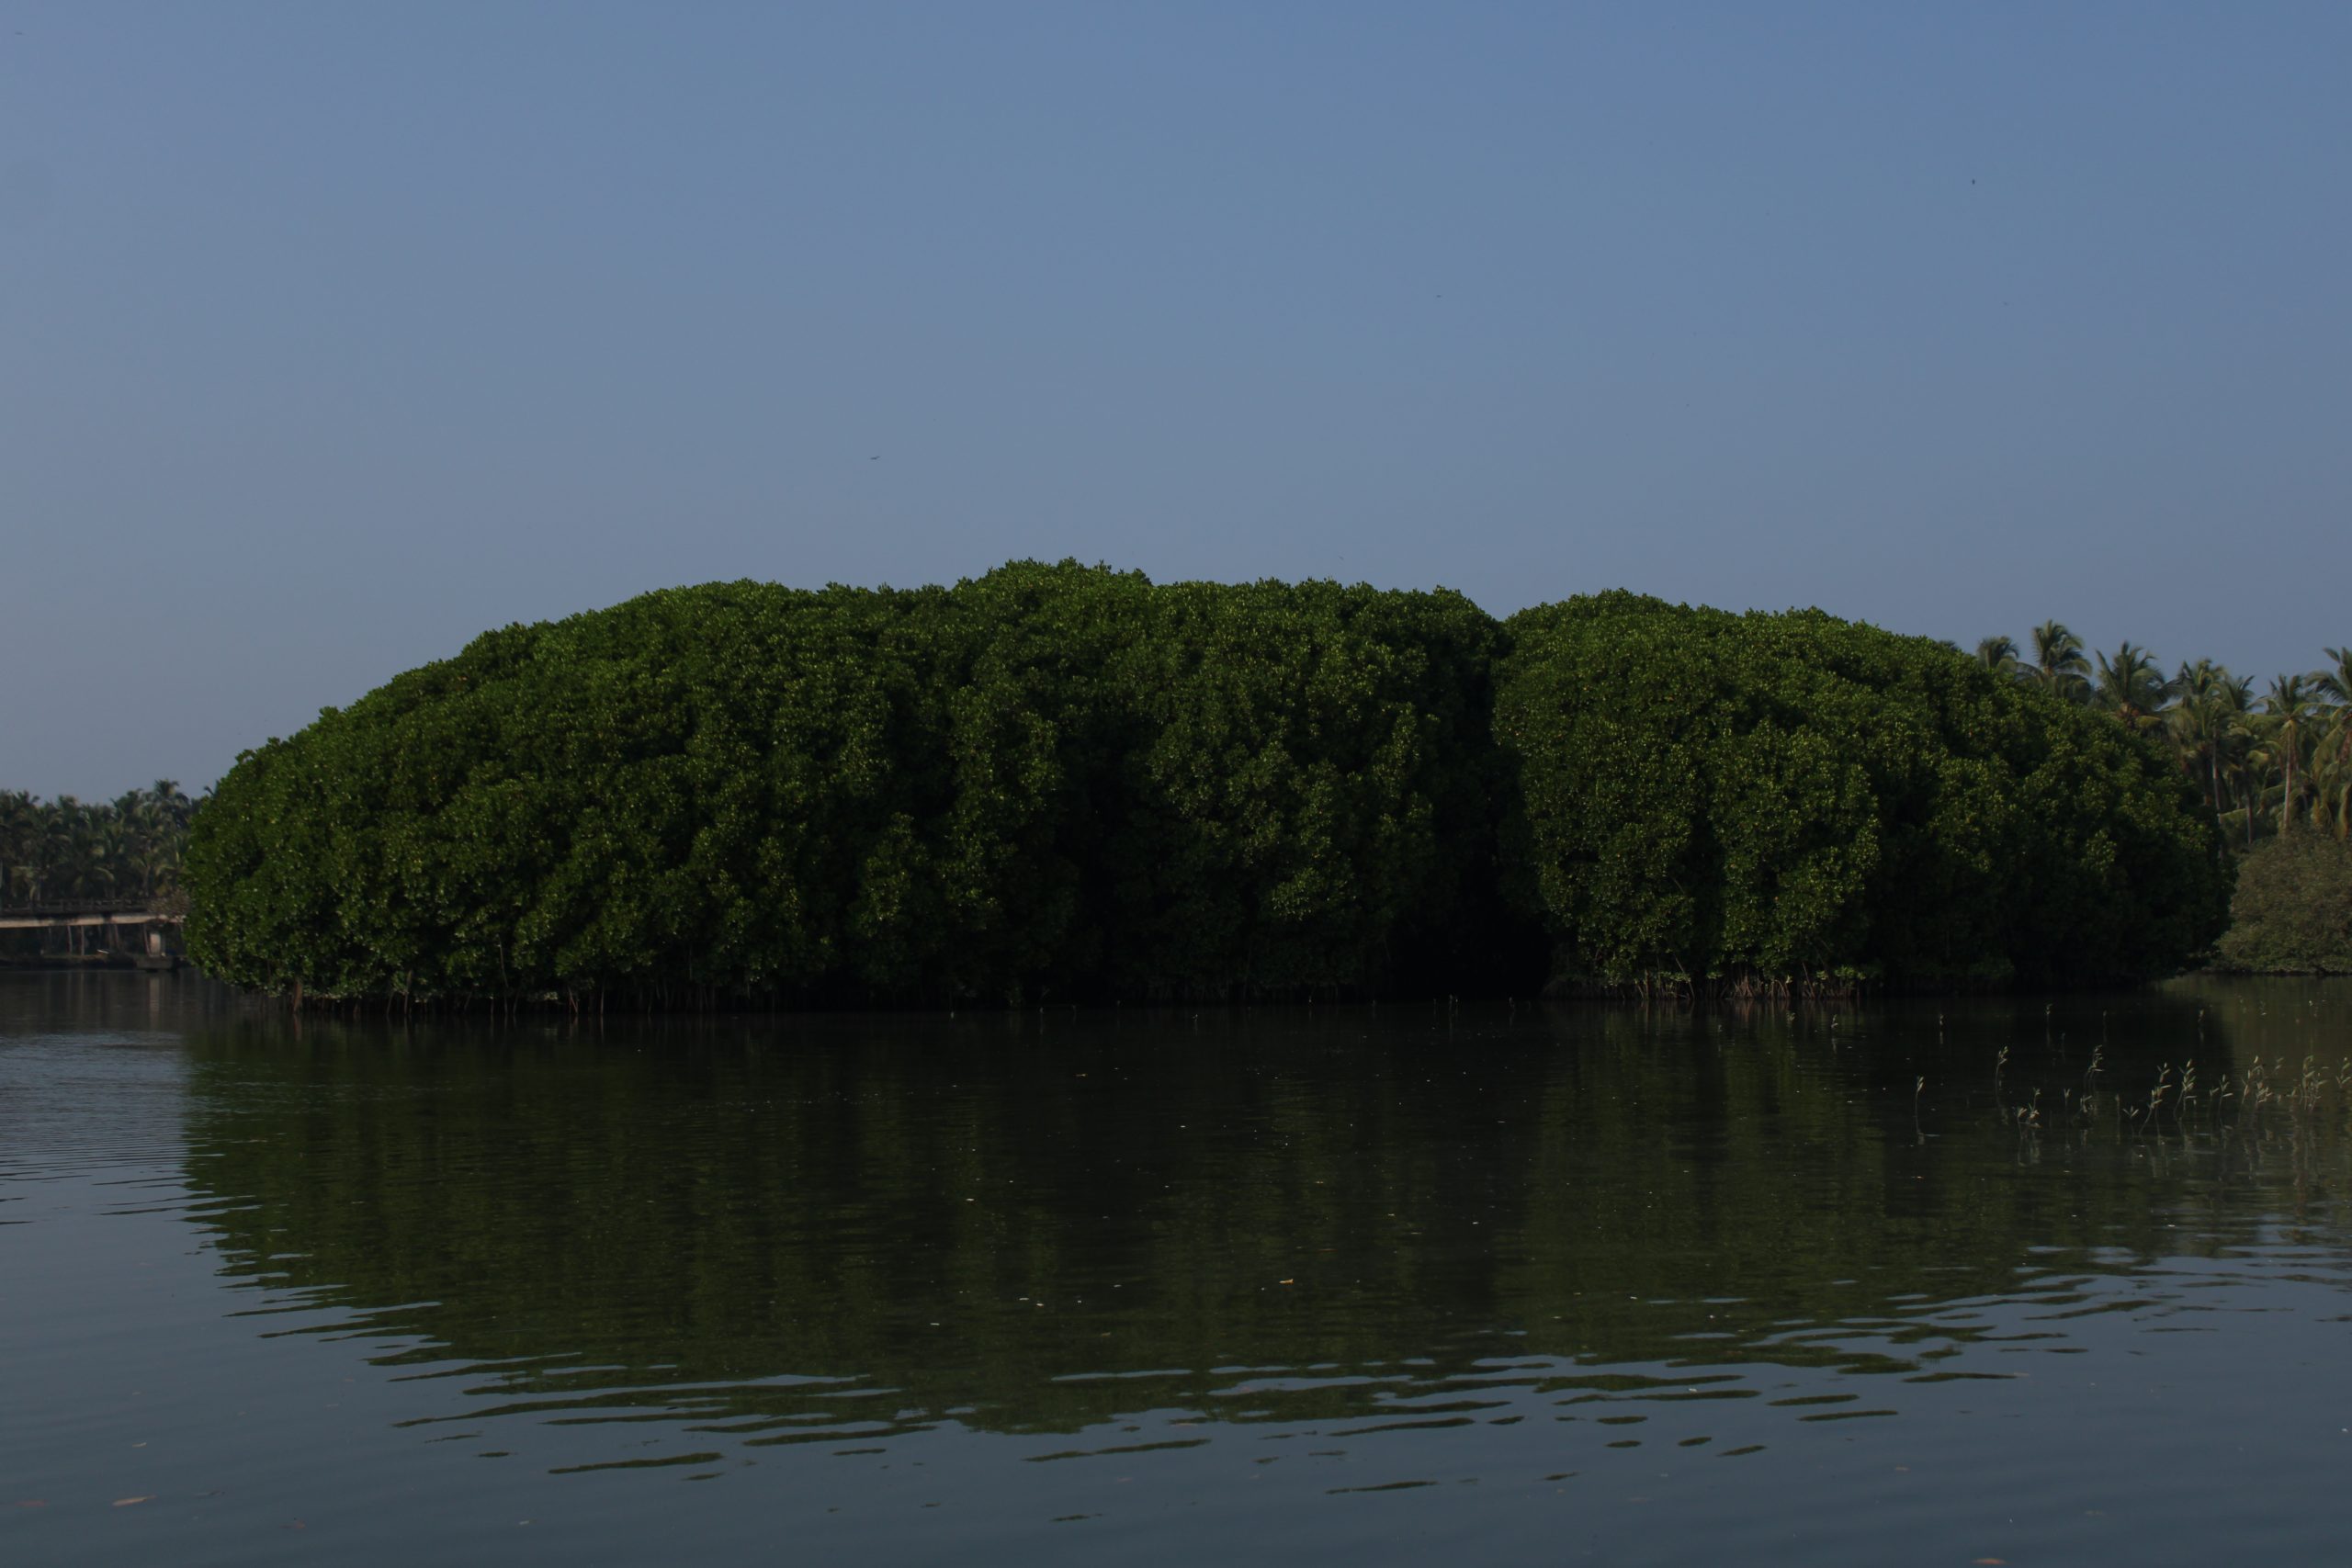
{"x":2292,"y":913}
{"x":1779,"y":797}
{"x":1070,"y":782}
{"x":1050,"y":780}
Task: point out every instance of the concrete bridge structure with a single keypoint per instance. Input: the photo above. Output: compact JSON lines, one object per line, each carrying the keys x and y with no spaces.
{"x":131,"y":927}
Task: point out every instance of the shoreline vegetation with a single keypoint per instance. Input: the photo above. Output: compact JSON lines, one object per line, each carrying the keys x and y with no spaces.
{"x":1068,"y":783}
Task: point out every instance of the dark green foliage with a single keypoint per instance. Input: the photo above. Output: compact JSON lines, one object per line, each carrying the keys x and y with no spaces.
{"x":1068,"y":782}
{"x":1306,"y":799}
{"x":1790,"y":799}
{"x":2292,"y":913}
{"x":1051,"y":780}
{"x":126,"y":849}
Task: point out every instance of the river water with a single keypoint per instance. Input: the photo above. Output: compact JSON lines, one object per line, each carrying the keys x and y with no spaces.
{"x":1347,"y":1285}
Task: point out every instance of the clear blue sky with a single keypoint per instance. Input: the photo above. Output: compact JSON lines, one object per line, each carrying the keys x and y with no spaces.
{"x":331,"y":334}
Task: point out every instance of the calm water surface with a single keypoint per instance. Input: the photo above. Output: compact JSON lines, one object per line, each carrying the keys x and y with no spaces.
{"x":1328,"y":1285}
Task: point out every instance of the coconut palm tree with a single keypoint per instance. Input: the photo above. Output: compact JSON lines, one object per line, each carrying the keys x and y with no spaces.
{"x":2059,"y":666}
{"x":2332,"y":759}
{"x":2206,"y":723}
{"x":174,"y":802}
{"x":1998,"y":654}
{"x":2289,"y":709}
{"x":2130,"y":688}
{"x":2331,"y":786}
{"x":2335,"y":683}
{"x":20,"y":826}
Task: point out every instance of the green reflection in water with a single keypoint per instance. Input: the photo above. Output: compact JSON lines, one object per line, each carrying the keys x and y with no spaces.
{"x":829,"y":1231}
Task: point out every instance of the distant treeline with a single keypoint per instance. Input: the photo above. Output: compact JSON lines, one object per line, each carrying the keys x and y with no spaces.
{"x":62,"y":848}
{"x":127,"y":849}
{"x":2274,"y":771}
{"x":2261,"y":763}
{"x":1070,"y":783}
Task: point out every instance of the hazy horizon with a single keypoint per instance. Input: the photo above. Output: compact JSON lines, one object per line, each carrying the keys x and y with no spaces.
{"x":330,"y":339}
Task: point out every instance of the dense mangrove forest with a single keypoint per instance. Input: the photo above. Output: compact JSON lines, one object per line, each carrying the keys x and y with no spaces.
{"x":1063,"y":783}
{"x":1072,"y":783}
